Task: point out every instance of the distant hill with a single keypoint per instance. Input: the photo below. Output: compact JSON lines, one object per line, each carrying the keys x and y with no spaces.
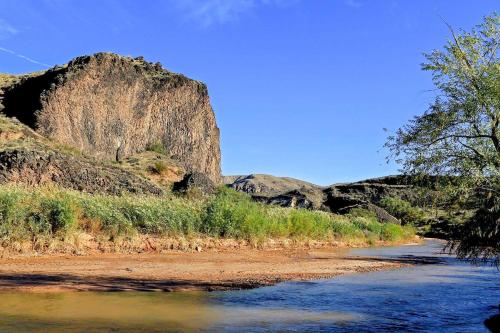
{"x":337,"y":198}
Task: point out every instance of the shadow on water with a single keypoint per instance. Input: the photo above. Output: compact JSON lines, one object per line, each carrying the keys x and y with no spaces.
{"x":404,"y":259}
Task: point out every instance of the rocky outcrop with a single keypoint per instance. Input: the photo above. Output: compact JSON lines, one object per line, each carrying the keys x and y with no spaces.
{"x":493,"y":323}
{"x":195,"y":180}
{"x":37,"y":167}
{"x":282,"y":191}
{"x":113,"y":107}
{"x":372,"y":190}
{"x":294,"y":199}
{"x":338,"y":198}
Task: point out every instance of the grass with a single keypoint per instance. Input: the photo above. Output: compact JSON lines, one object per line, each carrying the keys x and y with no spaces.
{"x":157,"y":147}
{"x":160,"y":167}
{"x":40,"y":215}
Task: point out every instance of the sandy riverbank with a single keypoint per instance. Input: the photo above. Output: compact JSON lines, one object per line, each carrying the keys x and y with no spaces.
{"x":177,"y":271}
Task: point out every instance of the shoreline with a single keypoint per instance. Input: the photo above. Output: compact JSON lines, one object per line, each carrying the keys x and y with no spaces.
{"x":184,"y":271}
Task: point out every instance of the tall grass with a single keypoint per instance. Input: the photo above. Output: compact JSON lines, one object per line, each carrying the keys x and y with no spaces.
{"x":40,"y":214}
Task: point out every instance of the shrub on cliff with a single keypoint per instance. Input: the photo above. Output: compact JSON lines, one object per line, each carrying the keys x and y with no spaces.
{"x":157,"y":147}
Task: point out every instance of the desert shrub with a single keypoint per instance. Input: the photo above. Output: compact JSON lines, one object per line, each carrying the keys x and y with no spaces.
{"x":10,"y":205}
{"x":403,"y":210}
{"x":233,"y":214}
{"x":310,"y":224}
{"x":361,"y":212}
{"x":105,"y":210}
{"x":12,"y":215}
{"x":59,"y":212}
{"x":35,"y":215}
{"x":227,"y":212}
{"x":368,"y":225}
{"x":159,"y":167}
{"x":153,"y":215}
{"x":157,"y":147}
{"x":344,"y":229}
{"x":395,"y":233}
{"x":162,"y":216}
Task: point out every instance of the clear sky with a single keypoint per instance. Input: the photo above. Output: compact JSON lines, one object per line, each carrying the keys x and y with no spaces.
{"x":300,"y":88}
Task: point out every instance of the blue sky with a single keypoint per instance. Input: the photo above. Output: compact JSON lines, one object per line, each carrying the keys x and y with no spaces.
{"x":300,"y":88}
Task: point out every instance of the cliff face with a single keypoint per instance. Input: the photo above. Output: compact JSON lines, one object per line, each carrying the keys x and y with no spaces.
{"x":28,"y":158}
{"x":112,"y":107}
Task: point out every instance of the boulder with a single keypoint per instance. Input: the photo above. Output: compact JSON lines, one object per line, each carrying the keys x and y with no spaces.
{"x":493,"y":323}
{"x":195,"y":180}
{"x":343,"y":204}
{"x":293,"y":199}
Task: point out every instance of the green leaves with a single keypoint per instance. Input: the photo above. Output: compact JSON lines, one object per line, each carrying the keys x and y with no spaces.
{"x":459,"y":133}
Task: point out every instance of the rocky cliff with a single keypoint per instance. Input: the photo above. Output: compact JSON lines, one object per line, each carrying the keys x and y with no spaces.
{"x":28,"y":158}
{"x":112,"y":107}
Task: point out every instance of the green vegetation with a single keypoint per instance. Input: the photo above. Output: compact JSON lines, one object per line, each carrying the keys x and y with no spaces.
{"x":403,"y":210}
{"x":157,"y":147}
{"x":367,"y":221}
{"x":43,"y":214}
{"x":459,"y":135}
{"x":160,"y":167}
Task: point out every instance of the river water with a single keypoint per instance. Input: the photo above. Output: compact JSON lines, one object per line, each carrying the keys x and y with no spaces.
{"x":444,"y":295}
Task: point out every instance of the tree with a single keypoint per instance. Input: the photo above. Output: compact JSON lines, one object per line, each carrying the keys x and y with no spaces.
{"x":459,"y":135}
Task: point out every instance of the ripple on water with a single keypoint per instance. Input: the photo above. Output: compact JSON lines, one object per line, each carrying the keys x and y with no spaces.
{"x":444,"y":295}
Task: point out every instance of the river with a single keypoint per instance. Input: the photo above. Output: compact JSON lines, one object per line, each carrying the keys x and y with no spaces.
{"x":443,"y":295}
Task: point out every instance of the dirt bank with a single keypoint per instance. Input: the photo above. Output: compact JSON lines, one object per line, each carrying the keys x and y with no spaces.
{"x":176,"y":271}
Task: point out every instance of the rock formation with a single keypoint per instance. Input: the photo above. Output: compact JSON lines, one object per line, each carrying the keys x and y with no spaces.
{"x":282,"y":191}
{"x":195,"y":180}
{"x":30,"y":159}
{"x":112,"y":107}
{"x":337,"y":198}
{"x":35,"y":168}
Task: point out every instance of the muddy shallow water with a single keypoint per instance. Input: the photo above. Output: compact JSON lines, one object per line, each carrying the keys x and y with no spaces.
{"x":443,"y":295}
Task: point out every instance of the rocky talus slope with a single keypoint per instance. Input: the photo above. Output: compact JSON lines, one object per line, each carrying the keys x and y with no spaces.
{"x":113,"y":107}
{"x":28,"y":158}
{"x":337,"y":198}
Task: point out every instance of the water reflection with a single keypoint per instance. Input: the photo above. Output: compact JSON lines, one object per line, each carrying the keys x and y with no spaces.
{"x":445,"y":296}
{"x":144,"y":312}
{"x":140,"y":312}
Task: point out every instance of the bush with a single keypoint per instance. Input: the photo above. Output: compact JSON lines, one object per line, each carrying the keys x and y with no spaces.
{"x":403,"y":210}
{"x":395,"y":233}
{"x":157,"y":147}
{"x":160,"y":167}
{"x":32,"y":214}
{"x":150,"y":215}
{"x":59,"y":213}
{"x":233,"y":214}
{"x":228,"y":212}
